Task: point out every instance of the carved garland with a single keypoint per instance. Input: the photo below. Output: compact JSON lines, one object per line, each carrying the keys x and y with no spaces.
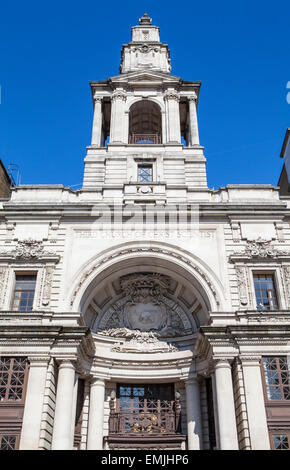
{"x":260,"y":249}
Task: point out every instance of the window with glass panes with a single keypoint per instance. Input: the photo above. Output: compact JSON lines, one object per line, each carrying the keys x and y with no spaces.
{"x":24,"y":292}
{"x":280,"y":441}
{"x":145,"y":173}
{"x":13,"y":373}
{"x":266,"y":296}
{"x":276,"y":378}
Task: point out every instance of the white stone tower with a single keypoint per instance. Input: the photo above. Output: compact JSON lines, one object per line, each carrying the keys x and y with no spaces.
{"x":145,"y":141}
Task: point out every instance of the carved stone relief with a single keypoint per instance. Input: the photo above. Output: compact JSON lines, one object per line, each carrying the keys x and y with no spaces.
{"x":145,"y":315}
{"x":242,"y":285}
{"x":47,"y":283}
{"x":28,"y":249}
{"x":260,"y":248}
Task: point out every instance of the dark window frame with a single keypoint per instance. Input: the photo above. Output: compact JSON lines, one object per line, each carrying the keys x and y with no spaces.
{"x":26,"y":295}
{"x":269,"y":294}
{"x":273,"y":379}
{"x":139,"y":175}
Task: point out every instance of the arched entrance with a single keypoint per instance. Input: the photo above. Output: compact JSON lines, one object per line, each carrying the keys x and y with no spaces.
{"x":144,"y":307}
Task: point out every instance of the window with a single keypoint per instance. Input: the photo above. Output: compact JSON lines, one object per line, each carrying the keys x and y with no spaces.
{"x":266,"y":297}
{"x":24,"y":292}
{"x":280,"y":441}
{"x":8,"y":442}
{"x":277,"y":378}
{"x":145,"y":173}
{"x":13,"y":372}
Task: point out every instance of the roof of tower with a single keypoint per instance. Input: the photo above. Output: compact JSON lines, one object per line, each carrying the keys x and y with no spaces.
{"x":145,"y":19}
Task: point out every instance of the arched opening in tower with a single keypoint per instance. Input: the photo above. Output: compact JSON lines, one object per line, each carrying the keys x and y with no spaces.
{"x":145,"y":123}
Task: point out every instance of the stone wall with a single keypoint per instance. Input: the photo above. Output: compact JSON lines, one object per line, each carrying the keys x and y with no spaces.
{"x":4,"y":182}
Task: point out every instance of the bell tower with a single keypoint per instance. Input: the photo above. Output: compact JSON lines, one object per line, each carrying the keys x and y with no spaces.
{"x":145,"y":141}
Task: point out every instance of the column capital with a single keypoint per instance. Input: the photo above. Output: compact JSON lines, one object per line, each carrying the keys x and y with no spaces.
{"x":119,"y":95}
{"x":97,"y":381}
{"x":222,"y":362}
{"x":192,"y":380}
{"x":250,"y":360}
{"x":171,"y":95}
{"x":67,"y":364}
{"x":38,"y":361}
{"x":98,"y":98}
{"x":192,"y":97}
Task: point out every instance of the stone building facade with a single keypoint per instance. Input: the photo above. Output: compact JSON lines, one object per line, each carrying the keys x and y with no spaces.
{"x":145,"y":310}
{"x":5,"y":182}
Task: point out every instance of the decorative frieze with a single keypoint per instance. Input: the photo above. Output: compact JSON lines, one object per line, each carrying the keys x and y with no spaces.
{"x":28,"y":250}
{"x":260,"y":249}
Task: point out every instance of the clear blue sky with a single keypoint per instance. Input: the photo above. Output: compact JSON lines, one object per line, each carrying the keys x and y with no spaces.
{"x":50,"y":50}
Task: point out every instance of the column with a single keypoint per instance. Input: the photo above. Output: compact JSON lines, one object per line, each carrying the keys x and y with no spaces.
{"x":117,"y":117}
{"x":225,"y":406}
{"x":96,"y":415}
{"x":194,"y":136}
{"x":193,"y":413}
{"x":62,"y":435}
{"x":255,"y":404}
{"x":74,"y":407}
{"x":30,"y":432}
{"x":171,"y":99}
{"x":97,"y":122}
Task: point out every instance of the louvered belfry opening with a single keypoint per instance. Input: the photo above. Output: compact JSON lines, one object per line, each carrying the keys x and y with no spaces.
{"x":145,"y":123}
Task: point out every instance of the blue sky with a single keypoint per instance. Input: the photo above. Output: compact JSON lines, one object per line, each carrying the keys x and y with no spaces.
{"x":50,"y":50}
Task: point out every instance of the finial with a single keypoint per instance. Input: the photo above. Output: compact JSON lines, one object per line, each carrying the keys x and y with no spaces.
{"x":145,"y":19}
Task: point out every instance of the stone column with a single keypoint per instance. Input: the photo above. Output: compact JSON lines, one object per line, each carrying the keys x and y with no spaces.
{"x":171,"y":99}
{"x":255,"y":404}
{"x":97,"y":121}
{"x":193,"y":124}
{"x":30,"y":432}
{"x":227,"y":426}
{"x":193,"y":413}
{"x":117,"y":117}
{"x":74,"y":406}
{"x":96,"y":415}
{"x":62,"y":435}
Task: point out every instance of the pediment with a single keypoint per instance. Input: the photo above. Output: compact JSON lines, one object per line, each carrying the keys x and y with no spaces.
{"x":145,"y":77}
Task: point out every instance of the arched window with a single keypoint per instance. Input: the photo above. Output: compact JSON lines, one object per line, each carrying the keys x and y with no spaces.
{"x":145,"y":123}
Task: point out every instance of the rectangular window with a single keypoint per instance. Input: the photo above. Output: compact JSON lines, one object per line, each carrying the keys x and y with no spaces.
{"x":280,"y":441}
{"x":266,"y":297}
{"x":24,"y":292}
{"x":277,"y":378}
{"x":13,"y":373}
{"x":8,"y":442}
{"x":145,"y":173}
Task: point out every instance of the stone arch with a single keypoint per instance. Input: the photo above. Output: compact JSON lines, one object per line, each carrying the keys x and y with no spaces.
{"x":145,"y":122}
{"x":195,"y":285}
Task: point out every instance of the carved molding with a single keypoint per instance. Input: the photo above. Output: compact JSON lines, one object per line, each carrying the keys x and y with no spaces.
{"x":242,"y":285}
{"x":145,"y":251}
{"x":29,"y":250}
{"x":47,"y":283}
{"x":119,"y":95}
{"x":260,"y":249}
{"x":171,"y":95}
{"x":139,"y":341}
{"x":286,"y":278}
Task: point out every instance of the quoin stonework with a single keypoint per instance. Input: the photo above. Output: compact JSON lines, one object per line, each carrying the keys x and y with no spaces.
{"x":144,"y":310}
